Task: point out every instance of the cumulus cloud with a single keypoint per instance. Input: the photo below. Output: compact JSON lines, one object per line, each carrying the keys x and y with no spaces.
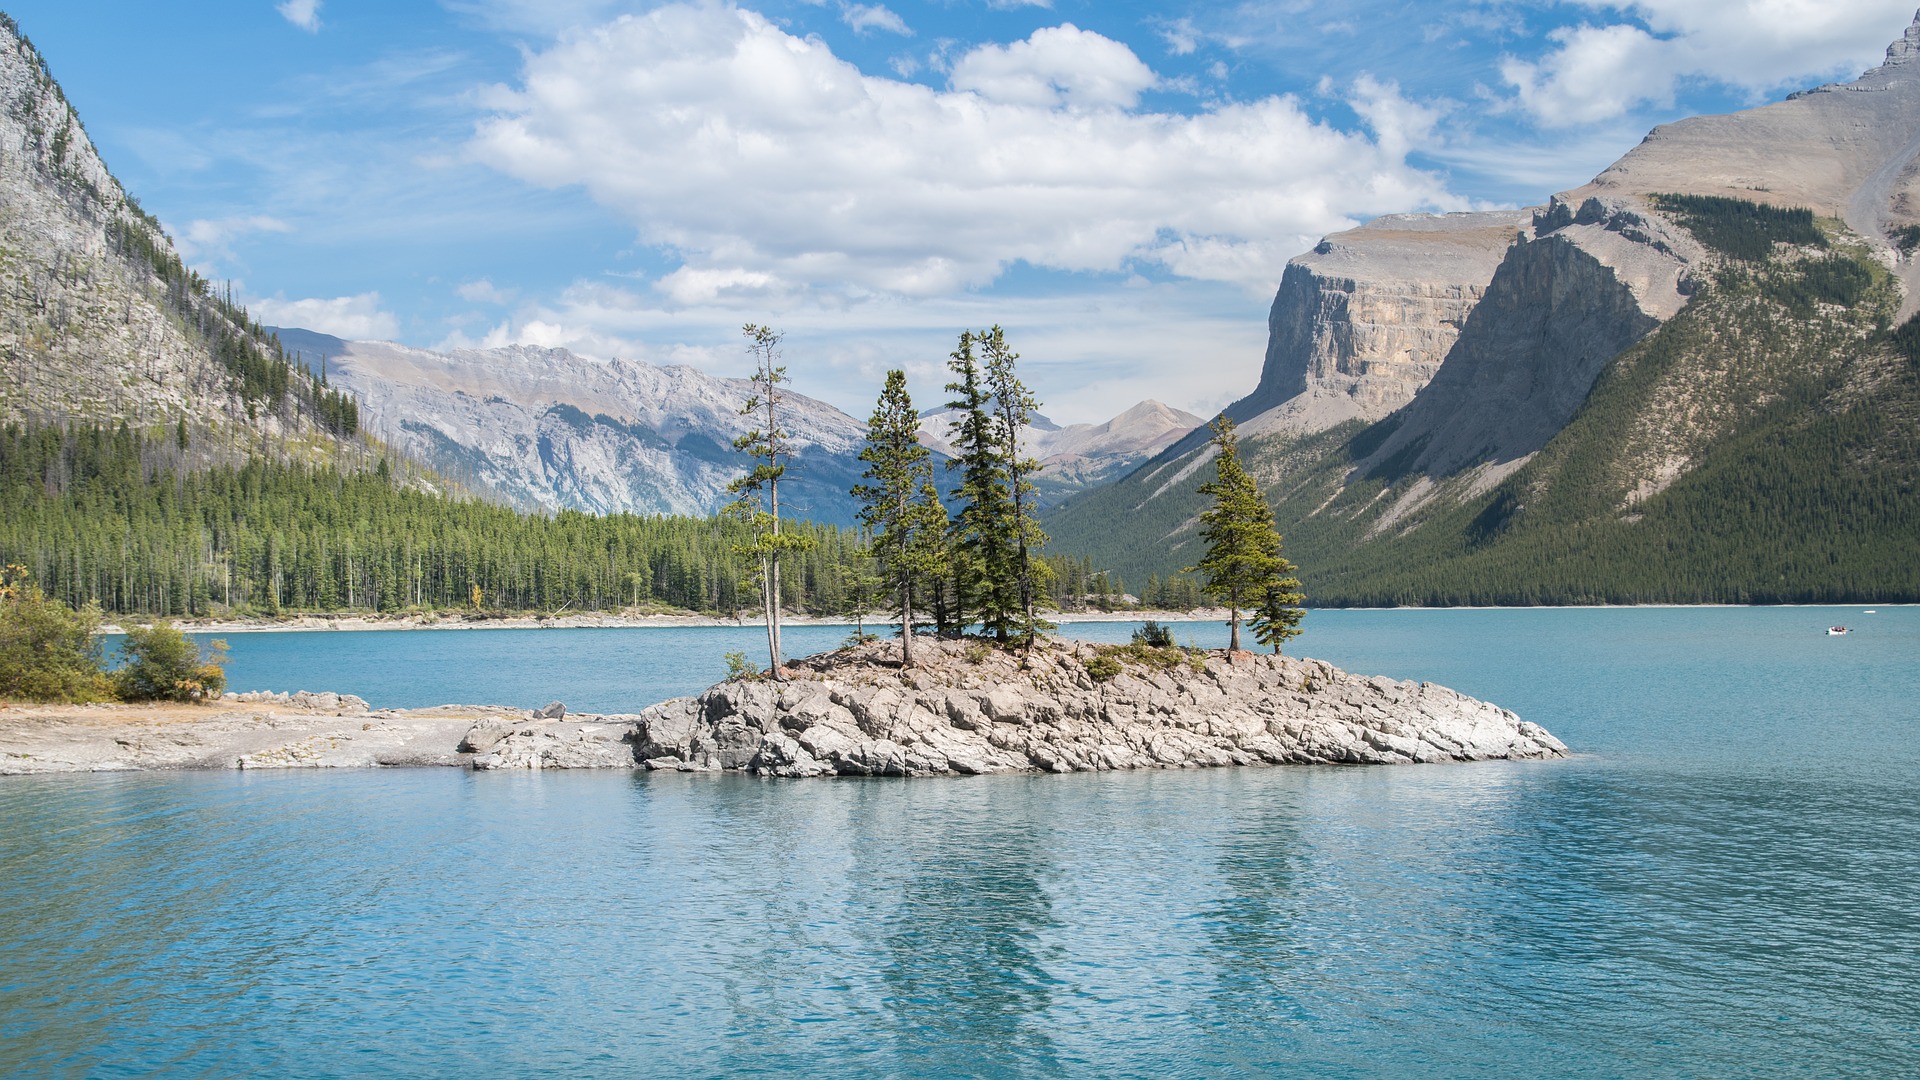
{"x":356,"y":318}
{"x":1597,"y":72}
{"x":1058,"y":65}
{"x":771,"y":168}
{"x":865,"y":18}
{"x":304,"y":14}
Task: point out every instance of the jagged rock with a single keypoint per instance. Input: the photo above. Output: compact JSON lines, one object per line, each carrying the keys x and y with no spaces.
{"x":549,"y":744}
{"x":485,"y":735}
{"x":552,"y":710}
{"x":855,"y":713}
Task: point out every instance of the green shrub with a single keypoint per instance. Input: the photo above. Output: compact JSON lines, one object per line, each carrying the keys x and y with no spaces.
{"x":1103,"y":668}
{"x":1154,"y":634}
{"x":159,"y":663}
{"x":739,"y":667}
{"x":48,"y":651}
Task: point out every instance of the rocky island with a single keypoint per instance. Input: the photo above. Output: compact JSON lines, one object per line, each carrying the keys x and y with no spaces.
{"x":964,"y":708}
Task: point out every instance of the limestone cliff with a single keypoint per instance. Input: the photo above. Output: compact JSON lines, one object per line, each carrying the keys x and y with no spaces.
{"x":1363,"y":321}
{"x":1560,"y":306}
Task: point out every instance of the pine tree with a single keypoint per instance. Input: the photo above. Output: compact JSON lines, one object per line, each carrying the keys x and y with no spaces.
{"x":901,"y":505}
{"x":1013,"y":409}
{"x":757,"y":494}
{"x":1276,"y":618}
{"x":1243,"y":565}
{"x":983,"y":549}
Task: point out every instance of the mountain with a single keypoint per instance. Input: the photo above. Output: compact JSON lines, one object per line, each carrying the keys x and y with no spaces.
{"x":100,"y":322}
{"x":547,"y":429}
{"x":1079,"y":456}
{"x":1688,"y":380}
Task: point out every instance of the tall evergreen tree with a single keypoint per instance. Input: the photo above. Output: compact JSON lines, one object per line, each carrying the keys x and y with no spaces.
{"x":901,"y":505}
{"x":757,"y":494}
{"x":1013,"y":409}
{"x":1242,"y":565}
{"x":1276,"y":617}
{"x":983,"y":549}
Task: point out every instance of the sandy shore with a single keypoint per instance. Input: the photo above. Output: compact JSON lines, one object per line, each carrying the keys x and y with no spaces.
{"x":459,"y":621}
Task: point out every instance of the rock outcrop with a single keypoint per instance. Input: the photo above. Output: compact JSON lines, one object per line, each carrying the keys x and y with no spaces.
{"x":854,"y":712}
{"x":1586,"y":283}
{"x":1363,"y":321}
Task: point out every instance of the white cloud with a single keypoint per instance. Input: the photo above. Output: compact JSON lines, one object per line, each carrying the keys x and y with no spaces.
{"x":484,"y":291}
{"x":868,"y":17}
{"x":205,"y":238}
{"x":1181,"y":38}
{"x":304,"y":14}
{"x":1088,"y":355}
{"x":774,"y":170}
{"x":1057,"y":65}
{"x":356,"y":318}
{"x":1596,"y":72}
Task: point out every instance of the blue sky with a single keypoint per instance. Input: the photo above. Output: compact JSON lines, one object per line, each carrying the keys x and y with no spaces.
{"x":1117,"y":183}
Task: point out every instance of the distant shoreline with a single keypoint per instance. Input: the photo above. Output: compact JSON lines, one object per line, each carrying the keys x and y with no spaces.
{"x":456,"y":621}
{"x":459,"y":621}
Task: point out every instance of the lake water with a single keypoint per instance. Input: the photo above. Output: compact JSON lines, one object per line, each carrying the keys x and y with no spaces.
{"x":1724,"y":882}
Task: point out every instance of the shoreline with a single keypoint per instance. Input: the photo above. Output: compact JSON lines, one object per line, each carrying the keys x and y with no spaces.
{"x":1063,"y":706}
{"x":458,"y":621}
{"x":321,"y":623}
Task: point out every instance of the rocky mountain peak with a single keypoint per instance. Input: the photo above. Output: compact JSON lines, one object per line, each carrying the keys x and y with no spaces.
{"x":1905,"y":48}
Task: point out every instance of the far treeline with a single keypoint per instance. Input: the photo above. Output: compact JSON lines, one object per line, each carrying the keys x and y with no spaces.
{"x":136,"y":524}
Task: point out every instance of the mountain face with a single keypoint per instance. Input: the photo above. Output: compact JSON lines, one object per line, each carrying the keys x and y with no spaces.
{"x":547,"y":429}
{"x":101,"y":323}
{"x":1673,"y":383}
{"x":1079,"y":456}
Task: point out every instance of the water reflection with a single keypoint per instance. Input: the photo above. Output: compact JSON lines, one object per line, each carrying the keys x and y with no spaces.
{"x":962,"y":925}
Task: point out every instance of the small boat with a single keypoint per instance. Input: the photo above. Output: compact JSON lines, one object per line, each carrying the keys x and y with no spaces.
{"x":1836,"y":631}
{"x":1869,"y":611}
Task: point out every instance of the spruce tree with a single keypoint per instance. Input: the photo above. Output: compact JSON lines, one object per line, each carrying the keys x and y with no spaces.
{"x":1243,"y":565}
{"x":1013,"y":409}
{"x":985,"y":585}
{"x":757,"y":494}
{"x":901,"y":505}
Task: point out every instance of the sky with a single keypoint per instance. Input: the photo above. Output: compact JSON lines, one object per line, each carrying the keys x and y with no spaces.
{"x":1118,"y":184}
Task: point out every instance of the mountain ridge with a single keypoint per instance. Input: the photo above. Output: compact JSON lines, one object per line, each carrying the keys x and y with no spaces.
{"x":1591,"y":280}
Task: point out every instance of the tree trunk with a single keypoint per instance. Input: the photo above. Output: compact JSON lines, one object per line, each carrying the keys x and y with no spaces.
{"x":1233,"y":621}
{"x":773,"y":618}
{"x":906,"y":624}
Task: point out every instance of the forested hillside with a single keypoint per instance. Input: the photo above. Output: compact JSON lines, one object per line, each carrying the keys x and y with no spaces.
{"x":107,"y":516}
{"x":1761,"y":446}
{"x":101,"y":321}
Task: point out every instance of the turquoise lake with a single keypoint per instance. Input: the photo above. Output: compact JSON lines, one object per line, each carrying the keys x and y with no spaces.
{"x":1725,"y":881}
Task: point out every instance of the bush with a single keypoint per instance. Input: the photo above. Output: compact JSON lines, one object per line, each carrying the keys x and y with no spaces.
{"x":48,"y":651}
{"x":159,"y":663}
{"x":1154,"y":634}
{"x":739,"y":667}
{"x":1103,"y":668}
